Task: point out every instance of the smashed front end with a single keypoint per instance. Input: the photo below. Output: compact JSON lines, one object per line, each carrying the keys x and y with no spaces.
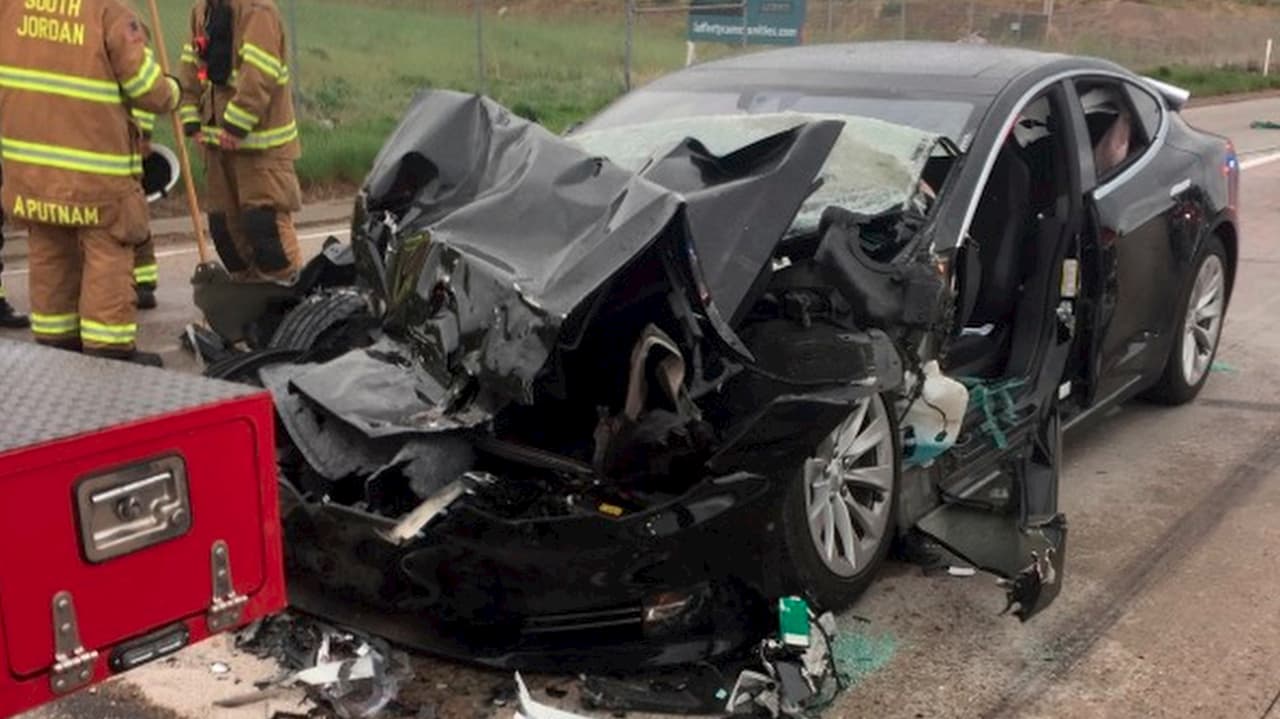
{"x":566,"y":441}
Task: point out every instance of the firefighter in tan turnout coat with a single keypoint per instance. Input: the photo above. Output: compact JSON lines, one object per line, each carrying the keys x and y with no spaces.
{"x":237,"y":101}
{"x":71,"y":71}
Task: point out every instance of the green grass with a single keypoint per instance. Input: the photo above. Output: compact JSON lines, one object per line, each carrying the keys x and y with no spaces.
{"x":360,"y":65}
{"x":1211,"y":81}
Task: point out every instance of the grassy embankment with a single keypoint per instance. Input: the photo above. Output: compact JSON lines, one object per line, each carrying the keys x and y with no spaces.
{"x":1211,"y":81}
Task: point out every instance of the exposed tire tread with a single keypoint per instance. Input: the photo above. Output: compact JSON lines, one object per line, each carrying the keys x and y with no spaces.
{"x":305,"y":325}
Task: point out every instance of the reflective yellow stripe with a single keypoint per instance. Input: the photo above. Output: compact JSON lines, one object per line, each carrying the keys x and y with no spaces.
{"x":54,"y":324}
{"x":189,"y":55}
{"x":146,"y":273}
{"x":240,"y":117}
{"x":266,"y":62}
{"x":146,"y":120}
{"x":255,"y":140}
{"x":91,"y":331}
{"x":79,"y":88}
{"x":66,"y":158}
{"x":147,"y":76}
{"x":188,"y":114}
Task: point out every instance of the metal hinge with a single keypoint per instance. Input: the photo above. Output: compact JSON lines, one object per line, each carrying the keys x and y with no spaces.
{"x":72,"y":665}
{"x":227,"y":606}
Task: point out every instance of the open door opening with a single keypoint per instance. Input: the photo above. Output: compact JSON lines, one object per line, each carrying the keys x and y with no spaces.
{"x":1014,"y":335}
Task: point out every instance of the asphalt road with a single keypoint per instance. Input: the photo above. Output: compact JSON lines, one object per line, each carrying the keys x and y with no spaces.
{"x":1171,"y":604}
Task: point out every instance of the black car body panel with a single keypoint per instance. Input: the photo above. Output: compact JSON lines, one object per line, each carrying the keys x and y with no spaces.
{"x":592,"y":386}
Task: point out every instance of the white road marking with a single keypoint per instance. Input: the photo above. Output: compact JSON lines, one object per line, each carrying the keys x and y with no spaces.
{"x":1259,"y":161}
{"x":339,"y":232}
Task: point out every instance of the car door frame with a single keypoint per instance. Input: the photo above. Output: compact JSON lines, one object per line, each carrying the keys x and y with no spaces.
{"x":1105,"y":377}
{"x":1026,"y":546}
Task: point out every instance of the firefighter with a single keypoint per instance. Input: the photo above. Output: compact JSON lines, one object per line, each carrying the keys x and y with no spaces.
{"x":146,"y":271}
{"x":70,"y":72}
{"x":9,"y":317}
{"x":237,"y":100}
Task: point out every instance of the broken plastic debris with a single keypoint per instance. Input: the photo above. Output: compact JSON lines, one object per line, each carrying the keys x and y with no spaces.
{"x":1220,"y":366}
{"x":329,"y":672}
{"x":415,"y":521}
{"x":219,"y":668}
{"x":751,"y":690}
{"x":962,"y":571}
{"x":530,"y":709}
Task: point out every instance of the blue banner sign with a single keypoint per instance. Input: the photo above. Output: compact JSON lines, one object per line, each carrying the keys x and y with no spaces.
{"x":768,"y":22}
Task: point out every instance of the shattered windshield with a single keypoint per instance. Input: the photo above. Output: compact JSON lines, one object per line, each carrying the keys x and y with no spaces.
{"x":874,"y":168}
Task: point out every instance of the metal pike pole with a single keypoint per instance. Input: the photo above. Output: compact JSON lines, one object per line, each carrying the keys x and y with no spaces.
{"x":193,"y":204}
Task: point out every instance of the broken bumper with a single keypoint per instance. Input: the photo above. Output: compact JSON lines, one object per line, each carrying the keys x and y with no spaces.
{"x":679,"y":583}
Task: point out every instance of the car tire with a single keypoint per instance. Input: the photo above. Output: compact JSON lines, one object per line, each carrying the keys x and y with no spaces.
{"x":827,"y":582}
{"x":325,"y":325}
{"x":243,"y":367}
{"x":1184,"y":374}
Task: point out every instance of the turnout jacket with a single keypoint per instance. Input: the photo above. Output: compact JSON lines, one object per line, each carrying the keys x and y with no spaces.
{"x":235,"y":78}
{"x":71,"y":74}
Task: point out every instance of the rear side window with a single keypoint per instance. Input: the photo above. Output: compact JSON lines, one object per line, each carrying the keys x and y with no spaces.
{"x":1118,"y":130}
{"x":1147,"y":107}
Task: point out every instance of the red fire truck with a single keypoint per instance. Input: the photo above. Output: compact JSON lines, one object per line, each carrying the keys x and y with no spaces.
{"x":138,"y":515}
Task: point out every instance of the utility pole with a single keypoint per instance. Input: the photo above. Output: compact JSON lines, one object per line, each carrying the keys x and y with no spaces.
{"x":745,"y":6}
{"x":626,"y":55}
{"x":831,"y":11}
{"x":296,"y":69}
{"x":480,"y":64}
{"x":902,"y":18}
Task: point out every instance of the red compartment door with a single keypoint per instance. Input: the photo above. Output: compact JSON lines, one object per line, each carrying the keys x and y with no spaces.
{"x":42,"y":551}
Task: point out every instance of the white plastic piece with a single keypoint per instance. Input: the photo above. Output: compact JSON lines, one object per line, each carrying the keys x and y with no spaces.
{"x":1070,"y":278}
{"x":1064,"y":390}
{"x":329,"y":672}
{"x":530,"y":709}
{"x":936,"y":416}
{"x":962,"y":571}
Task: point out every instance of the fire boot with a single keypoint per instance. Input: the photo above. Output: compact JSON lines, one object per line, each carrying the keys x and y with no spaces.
{"x":148,"y":359}
{"x":146,"y":297}
{"x":69,"y":344}
{"x":9,"y":317}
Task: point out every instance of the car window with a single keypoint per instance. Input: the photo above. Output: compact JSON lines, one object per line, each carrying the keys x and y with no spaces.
{"x":1117,"y":131}
{"x":1147,"y":107}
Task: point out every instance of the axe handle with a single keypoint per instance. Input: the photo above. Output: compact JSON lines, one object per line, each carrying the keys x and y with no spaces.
{"x":193,"y":203}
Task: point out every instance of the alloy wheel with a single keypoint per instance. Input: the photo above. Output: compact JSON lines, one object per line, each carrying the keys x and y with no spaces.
{"x":1203,"y":323}
{"x":849,"y":488}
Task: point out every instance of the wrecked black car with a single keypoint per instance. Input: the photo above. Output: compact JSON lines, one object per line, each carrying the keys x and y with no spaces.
{"x":599,"y":399}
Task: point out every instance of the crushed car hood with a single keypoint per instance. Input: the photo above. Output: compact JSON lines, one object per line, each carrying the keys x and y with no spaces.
{"x":485,"y":231}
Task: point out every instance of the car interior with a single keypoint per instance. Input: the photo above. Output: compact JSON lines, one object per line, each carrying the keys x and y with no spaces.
{"x":1018,"y":210}
{"x":1117,"y":136}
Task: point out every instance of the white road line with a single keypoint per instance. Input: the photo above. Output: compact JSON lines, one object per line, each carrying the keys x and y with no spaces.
{"x":339,"y":232}
{"x":1259,"y":161}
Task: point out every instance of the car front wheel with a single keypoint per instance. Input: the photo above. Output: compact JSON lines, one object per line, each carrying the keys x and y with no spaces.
{"x":838,"y":517}
{"x":1198,"y":330}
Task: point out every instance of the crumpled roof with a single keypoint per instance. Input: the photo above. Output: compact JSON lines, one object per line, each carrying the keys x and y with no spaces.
{"x":504,"y":228}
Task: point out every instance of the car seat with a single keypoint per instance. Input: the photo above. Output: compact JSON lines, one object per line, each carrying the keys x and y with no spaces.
{"x":1112,"y":149}
{"x":998,"y":230}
